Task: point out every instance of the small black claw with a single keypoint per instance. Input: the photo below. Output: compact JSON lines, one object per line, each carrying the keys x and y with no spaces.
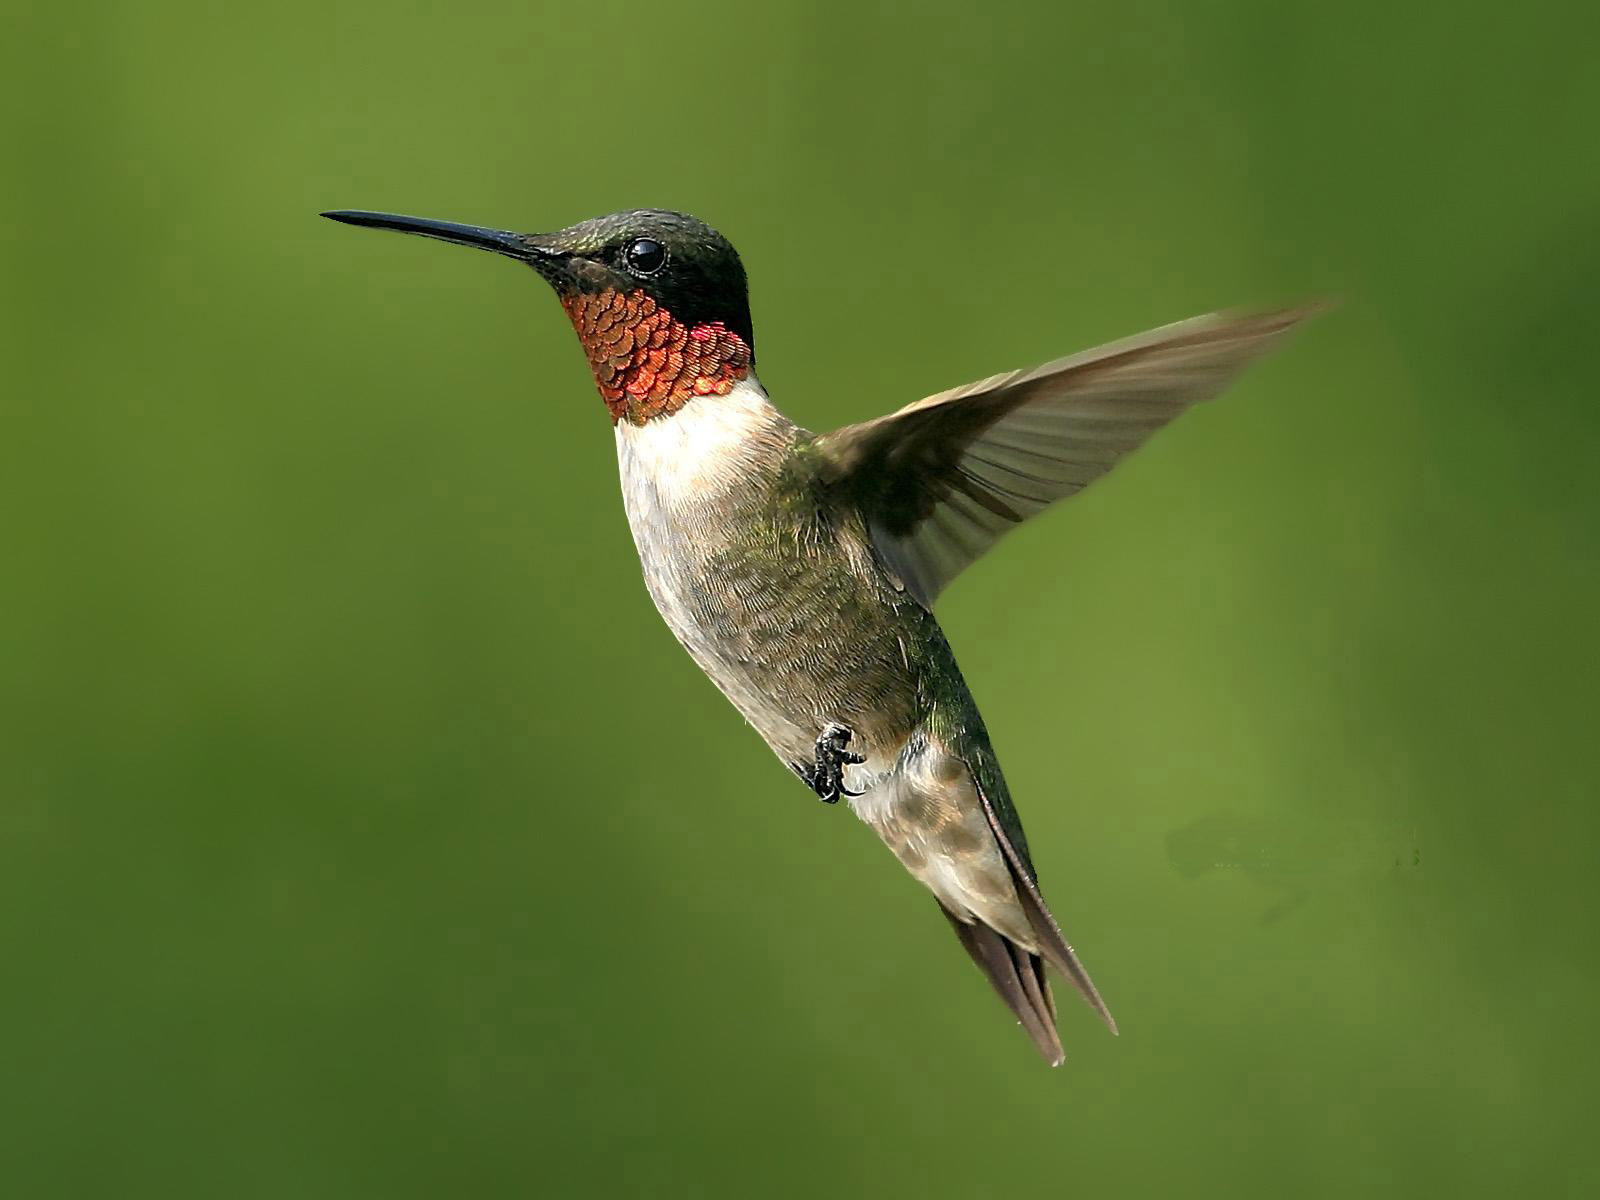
{"x":826,"y":777}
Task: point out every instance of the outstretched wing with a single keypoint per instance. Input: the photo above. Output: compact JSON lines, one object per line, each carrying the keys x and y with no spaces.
{"x":943,"y":479}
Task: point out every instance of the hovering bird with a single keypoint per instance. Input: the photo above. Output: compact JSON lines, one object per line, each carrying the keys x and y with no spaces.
{"x":800,"y":570}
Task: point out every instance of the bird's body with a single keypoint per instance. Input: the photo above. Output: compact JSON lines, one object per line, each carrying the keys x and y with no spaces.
{"x":799,"y":571}
{"x":774,"y":596}
{"x":774,"y":590}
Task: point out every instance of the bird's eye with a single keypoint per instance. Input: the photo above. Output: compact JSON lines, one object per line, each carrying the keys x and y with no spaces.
{"x":646,"y":256}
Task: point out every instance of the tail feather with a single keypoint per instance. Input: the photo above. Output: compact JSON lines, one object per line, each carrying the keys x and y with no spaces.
{"x":1052,"y":943}
{"x":934,"y":810}
{"x":1018,"y":977}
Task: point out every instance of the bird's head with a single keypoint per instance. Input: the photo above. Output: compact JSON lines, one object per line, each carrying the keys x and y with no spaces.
{"x":658,"y":299}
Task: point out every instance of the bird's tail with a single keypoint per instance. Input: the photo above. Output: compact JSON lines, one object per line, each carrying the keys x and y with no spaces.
{"x":1018,"y":977}
{"x":1016,"y":972}
{"x":936,"y":811}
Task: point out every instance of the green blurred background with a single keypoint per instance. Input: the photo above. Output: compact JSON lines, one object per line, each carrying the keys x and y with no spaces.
{"x":363,"y":832}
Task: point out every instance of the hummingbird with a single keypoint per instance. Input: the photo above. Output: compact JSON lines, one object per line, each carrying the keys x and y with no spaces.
{"x":800,"y":570}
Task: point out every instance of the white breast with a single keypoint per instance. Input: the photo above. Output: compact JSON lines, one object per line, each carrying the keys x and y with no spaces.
{"x":711,"y":443}
{"x":685,"y":478}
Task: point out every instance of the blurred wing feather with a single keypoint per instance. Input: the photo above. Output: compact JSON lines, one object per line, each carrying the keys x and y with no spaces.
{"x":943,"y":479}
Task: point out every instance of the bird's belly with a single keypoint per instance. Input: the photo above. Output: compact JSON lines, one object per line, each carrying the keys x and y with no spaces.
{"x":744,"y":657}
{"x":784,"y":638}
{"x":793,"y":639}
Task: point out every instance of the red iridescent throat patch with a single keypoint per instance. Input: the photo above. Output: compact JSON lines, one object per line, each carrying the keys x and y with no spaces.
{"x":646,"y":362}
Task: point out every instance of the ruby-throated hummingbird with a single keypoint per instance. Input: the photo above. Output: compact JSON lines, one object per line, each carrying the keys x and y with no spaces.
{"x":800,"y":570}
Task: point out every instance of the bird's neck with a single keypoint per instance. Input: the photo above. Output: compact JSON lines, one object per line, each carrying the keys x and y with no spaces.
{"x":714,"y":444}
{"x":648,"y":364}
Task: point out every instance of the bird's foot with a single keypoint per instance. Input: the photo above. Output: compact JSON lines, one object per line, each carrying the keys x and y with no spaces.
{"x":826,"y":776}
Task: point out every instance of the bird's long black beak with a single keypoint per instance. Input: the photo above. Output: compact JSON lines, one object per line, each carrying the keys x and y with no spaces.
{"x":521,"y":246}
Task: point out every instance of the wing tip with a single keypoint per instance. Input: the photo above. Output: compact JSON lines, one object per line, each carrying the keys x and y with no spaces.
{"x":1262,"y":325}
{"x":1285,"y":318}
